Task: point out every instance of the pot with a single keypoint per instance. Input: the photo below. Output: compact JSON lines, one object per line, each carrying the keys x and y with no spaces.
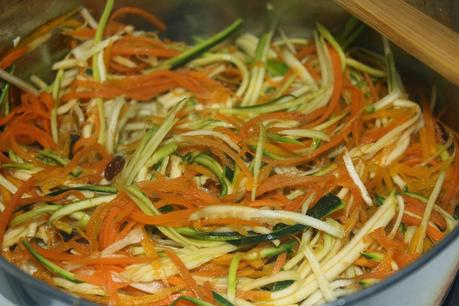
{"x":425,"y":282}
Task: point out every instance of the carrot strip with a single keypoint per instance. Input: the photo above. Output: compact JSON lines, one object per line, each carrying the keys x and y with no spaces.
{"x":5,"y":216}
{"x":183,"y":271}
{"x":175,"y":219}
{"x":280,"y":262}
{"x":337,"y":88}
{"x":432,"y":232}
{"x":312,"y":70}
{"x":306,"y":50}
{"x":365,"y":262}
{"x":130,"y":10}
{"x":83,"y":260}
{"x":374,"y":93}
{"x":389,"y":244}
{"x":282,"y":180}
{"x":12,"y":56}
{"x":417,"y":207}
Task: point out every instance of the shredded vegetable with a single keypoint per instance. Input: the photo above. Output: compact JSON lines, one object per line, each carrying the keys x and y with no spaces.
{"x":241,"y":170}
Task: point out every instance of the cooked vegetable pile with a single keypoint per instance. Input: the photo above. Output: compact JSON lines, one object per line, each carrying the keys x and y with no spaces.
{"x":236,"y":170}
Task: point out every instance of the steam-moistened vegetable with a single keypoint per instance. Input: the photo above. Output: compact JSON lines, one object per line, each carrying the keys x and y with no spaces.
{"x":239,"y":170}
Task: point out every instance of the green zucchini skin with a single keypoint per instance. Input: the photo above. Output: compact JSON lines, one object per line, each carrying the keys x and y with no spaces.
{"x":221,"y":301}
{"x":324,"y":207}
{"x":52,"y":267}
{"x":94,"y":188}
{"x":211,"y":164}
{"x":202,"y":46}
{"x":278,"y":285}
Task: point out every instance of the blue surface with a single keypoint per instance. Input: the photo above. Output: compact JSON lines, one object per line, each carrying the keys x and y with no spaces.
{"x":7,"y":296}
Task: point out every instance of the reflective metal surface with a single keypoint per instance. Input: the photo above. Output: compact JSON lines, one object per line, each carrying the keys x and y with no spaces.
{"x":186,"y":18}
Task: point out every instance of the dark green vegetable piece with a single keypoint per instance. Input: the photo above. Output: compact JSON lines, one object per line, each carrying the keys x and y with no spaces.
{"x":274,"y":251}
{"x":352,"y":30}
{"x":328,"y":204}
{"x":202,"y":46}
{"x":278,"y":285}
{"x":379,"y":200}
{"x":221,"y":300}
{"x":94,"y":188}
{"x":52,"y":267}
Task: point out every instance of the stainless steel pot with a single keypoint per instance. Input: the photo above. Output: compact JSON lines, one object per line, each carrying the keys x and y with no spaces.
{"x":423,"y":283}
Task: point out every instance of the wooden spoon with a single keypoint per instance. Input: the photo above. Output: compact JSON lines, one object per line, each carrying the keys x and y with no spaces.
{"x":421,"y":36}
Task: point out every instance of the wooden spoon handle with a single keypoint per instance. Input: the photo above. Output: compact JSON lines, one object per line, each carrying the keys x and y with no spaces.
{"x":423,"y":37}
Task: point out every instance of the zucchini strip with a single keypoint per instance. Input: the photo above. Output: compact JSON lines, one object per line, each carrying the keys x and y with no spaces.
{"x":94,"y":188}
{"x":52,"y":267}
{"x":49,"y":156}
{"x":201,"y":47}
{"x":257,"y":162}
{"x":79,"y":205}
{"x":36,"y":212}
{"x":211,"y":164}
{"x":232,"y":278}
{"x":270,"y":216}
{"x":221,"y":300}
{"x":147,"y":147}
{"x":324,"y":207}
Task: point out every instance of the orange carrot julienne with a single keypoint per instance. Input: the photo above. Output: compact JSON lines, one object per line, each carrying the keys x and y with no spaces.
{"x":131,"y":10}
{"x":365,"y":262}
{"x":417,"y":207}
{"x":432,"y":232}
{"x":337,"y":88}
{"x":281,"y":181}
{"x":306,"y":50}
{"x":183,"y":271}
{"x":380,"y":236}
{"x":312,"y":70}
{"x":10,"y":57}
{"x":85,"y":260}
{"x":5,"y":215}
{"x":175,"y":218}
{"x":374,"y":94}
{"x":279,"y":263}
